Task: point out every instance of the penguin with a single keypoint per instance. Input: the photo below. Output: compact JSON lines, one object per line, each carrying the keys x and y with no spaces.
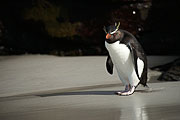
{"x":128,"y":57}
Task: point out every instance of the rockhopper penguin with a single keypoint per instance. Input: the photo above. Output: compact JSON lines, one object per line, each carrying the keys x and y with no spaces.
{"x":128,"y":57}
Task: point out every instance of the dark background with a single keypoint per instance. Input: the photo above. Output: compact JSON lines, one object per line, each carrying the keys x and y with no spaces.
{"x":73,"y":27}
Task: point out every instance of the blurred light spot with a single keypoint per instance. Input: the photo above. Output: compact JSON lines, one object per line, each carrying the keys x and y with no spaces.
{"x":146,"y":6}
{"x":131,"y":5}
{"x":134,"y":12}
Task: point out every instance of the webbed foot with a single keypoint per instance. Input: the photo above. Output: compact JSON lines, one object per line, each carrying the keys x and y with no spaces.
{"x":129,"y":90}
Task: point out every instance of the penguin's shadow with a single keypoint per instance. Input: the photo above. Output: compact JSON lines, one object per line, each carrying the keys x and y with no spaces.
{"x":90,"y":93}
{"x":79,"y":93}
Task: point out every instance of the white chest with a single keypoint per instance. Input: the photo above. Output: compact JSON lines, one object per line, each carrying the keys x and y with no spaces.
{"x":119,"y":53}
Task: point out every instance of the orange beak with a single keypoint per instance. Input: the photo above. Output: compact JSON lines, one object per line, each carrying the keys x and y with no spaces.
{"x":108,"y":36}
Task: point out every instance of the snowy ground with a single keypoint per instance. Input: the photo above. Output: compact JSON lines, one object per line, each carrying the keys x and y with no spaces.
{"x":34,"y":73}
{"x":42,"y":87}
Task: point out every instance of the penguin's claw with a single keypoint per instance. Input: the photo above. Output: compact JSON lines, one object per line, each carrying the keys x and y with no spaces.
{"x":118,"y":93}
{"x":127,"y":93}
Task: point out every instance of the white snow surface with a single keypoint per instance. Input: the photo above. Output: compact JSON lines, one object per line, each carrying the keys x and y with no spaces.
{"x":31,"y":73}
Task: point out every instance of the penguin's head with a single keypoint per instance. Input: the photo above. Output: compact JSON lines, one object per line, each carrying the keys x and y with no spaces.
{"x":112,"y":33}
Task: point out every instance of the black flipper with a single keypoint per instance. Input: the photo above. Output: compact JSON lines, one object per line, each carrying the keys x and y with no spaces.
{"x":135,"y":56}
{"x":109,"y":65}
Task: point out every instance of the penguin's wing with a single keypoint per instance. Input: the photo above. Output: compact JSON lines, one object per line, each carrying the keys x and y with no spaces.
{"x":109,"y":65}
{"x":140,"y":63}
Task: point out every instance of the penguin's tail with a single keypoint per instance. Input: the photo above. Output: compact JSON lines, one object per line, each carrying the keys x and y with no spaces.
{"x":145,"y":85}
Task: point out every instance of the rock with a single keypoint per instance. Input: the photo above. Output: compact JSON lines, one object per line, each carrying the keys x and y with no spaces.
{"x":170,"y":71}
{"x":153,"y":75}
